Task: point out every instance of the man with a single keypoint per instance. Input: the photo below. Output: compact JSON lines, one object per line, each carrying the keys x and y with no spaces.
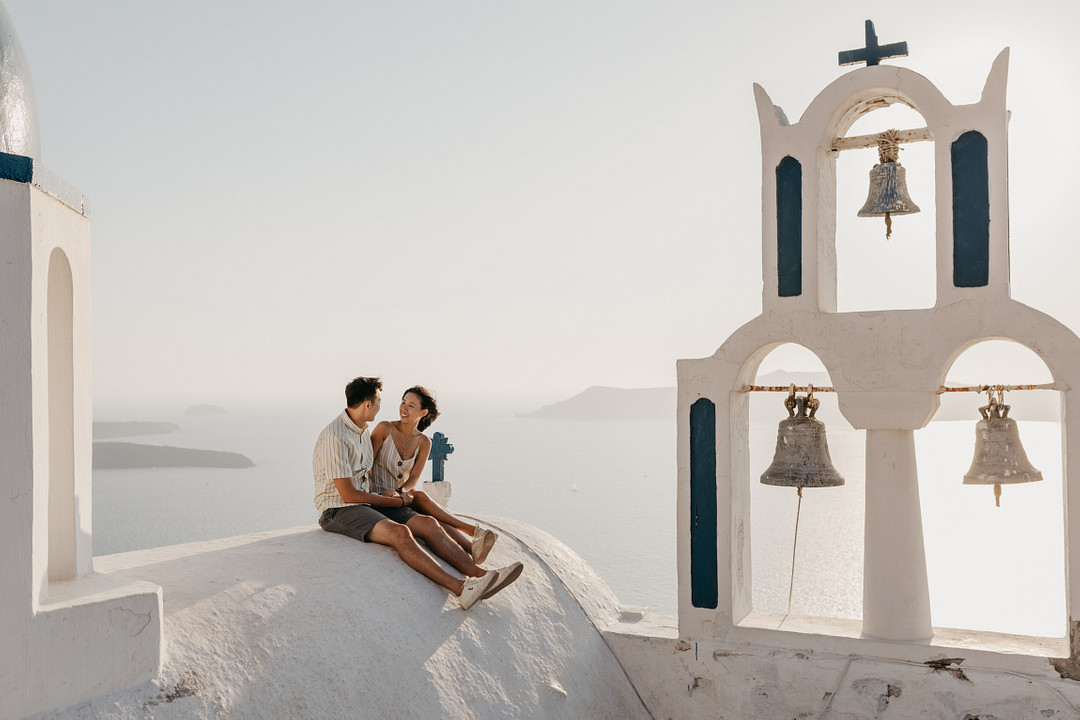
{"x":341,"y":461}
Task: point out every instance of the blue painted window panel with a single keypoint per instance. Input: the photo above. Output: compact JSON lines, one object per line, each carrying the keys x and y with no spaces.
{"x":703,"y":577}
{"x":971,"y":211}
{"x":789,"y":227}
{"x":16,"y":167}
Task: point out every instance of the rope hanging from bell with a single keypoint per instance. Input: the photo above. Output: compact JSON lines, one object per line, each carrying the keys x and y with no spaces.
{"x":888,"y":194}
{"x":801,"y":458}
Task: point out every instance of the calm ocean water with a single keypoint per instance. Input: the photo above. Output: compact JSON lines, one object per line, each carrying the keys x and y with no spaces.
{"x":607,"y":489}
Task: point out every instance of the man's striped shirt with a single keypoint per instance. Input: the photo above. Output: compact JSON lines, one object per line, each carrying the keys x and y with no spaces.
{"x":343,"y":450}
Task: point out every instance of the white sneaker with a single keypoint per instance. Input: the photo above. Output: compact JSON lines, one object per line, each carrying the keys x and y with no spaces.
{"x":507,"y":575}
{"x":475,"y":588}
{"x":482,"y":543}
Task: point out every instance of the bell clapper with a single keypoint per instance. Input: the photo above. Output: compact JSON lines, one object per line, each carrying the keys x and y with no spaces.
{"x":997,"y":494}
{"x":888,"y":152}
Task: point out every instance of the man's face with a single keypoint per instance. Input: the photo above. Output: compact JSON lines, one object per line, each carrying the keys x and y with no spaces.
{"x":373,"y":407}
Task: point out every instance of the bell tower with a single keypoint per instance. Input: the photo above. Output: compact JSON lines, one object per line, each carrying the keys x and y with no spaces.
{"x":887,"y":367}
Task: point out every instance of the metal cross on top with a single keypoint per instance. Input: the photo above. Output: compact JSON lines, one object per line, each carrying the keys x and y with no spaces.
{"x":440,"y":448}
{"x":873,"y":53}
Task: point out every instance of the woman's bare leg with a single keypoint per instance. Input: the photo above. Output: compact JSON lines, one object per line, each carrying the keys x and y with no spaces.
{"x":431,"y":532}
{"x":424,"y":504}
{"x":454,"y":526}
{"x":461,"y":538}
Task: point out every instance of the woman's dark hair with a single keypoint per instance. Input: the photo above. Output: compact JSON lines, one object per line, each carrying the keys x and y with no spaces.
{"x":361,"y":389}
{"x":427,"y":402}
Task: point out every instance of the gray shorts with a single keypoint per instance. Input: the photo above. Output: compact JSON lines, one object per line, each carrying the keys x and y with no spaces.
{"x":356,"y":521}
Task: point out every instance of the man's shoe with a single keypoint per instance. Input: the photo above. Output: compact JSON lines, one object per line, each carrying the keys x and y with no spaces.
{"x":482,"y":543}
{"x":507,"y":575}
{"x":475,"y":588}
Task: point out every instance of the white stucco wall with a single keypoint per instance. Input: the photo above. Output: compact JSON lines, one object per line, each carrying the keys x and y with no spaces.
{"x":744,"y":681}
{"x":886,"y":367}
{"x":65,"y":633}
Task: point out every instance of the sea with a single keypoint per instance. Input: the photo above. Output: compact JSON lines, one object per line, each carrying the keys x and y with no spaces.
{"x":607,"y":489}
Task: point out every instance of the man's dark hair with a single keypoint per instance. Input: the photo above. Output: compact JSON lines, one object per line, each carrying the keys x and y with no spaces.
{"x":361,"y":389}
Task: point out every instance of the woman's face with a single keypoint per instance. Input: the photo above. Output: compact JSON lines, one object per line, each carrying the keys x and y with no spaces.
{"x":412,"y":408}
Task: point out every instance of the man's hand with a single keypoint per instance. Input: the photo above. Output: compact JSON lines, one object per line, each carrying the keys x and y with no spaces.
{"x":405,"y":496}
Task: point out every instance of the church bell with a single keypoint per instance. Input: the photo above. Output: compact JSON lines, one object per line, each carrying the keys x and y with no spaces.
{"x":999,"y":457}
{"x":888,"y":194}
{"x":802,"y":454}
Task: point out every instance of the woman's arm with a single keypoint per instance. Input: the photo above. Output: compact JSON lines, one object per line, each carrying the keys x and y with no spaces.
{"x":350,"y":494}
{"x":418,"y":468}
{"x":378,"y":436}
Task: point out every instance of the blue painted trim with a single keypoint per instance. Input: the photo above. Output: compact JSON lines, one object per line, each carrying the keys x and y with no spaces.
{"x":703,"y":573}
{"x":789,"y":227}
{"x":971,"y":211}
{"x":16,"y":167}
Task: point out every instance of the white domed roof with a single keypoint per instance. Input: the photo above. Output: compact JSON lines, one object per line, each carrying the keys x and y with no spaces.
{"x":19,"y":133}
{"x":308,"y":624}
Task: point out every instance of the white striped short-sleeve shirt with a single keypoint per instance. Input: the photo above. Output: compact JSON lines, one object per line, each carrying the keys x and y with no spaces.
{"x":343,"y":450}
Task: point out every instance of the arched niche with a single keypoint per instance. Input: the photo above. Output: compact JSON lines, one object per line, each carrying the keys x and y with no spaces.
{"x":1004,"y":570}
{"x":61,"y":392}
{"x":872,"y":272}
{"x":828,"y":553}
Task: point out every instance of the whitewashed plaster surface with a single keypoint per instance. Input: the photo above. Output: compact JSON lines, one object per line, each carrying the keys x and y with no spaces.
{"x":887,"y":368}
{"x":727,"y":681}
{"x":302,"y":623}
{"x":65,"y":632}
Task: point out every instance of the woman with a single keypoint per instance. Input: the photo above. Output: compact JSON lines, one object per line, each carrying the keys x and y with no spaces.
{"x":401,"y":449}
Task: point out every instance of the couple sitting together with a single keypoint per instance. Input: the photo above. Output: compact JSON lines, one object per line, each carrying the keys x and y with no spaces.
{"x":364,"y":488}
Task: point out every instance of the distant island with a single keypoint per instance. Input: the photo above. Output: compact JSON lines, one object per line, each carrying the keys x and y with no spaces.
{"x":205,"y":409}
{"x":112,"y":455}
{"x":106,"y":430}
{"x":608,"y":403}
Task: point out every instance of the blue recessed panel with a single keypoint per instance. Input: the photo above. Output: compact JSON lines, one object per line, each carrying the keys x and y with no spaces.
{"x":703,"y":578}
{"x":789,"y":227}
{"x":971,"y":211}
{"x":16,"y":167}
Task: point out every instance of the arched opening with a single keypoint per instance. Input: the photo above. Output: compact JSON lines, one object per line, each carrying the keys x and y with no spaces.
{"x":61,"y":392}
{"x":827,"y":580}
{"x":873,"y":273}
{"x":1000,"y":569}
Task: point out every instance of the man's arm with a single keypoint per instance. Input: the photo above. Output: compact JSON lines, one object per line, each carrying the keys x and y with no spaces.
{"x":350,"y":494}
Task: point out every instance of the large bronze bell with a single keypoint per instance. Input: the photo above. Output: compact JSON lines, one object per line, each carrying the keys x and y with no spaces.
{"x":999,"y":457}
{"x":888,"y":194}
{"x":802,"y":454}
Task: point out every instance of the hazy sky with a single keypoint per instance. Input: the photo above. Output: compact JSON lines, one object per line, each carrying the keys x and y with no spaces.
{"x":497,"y":199}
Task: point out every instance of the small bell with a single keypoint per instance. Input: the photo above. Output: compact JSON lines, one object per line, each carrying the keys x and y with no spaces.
{"x":802,"y":454}
{"x":999,"y":457}
{"x":888,"y":194}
